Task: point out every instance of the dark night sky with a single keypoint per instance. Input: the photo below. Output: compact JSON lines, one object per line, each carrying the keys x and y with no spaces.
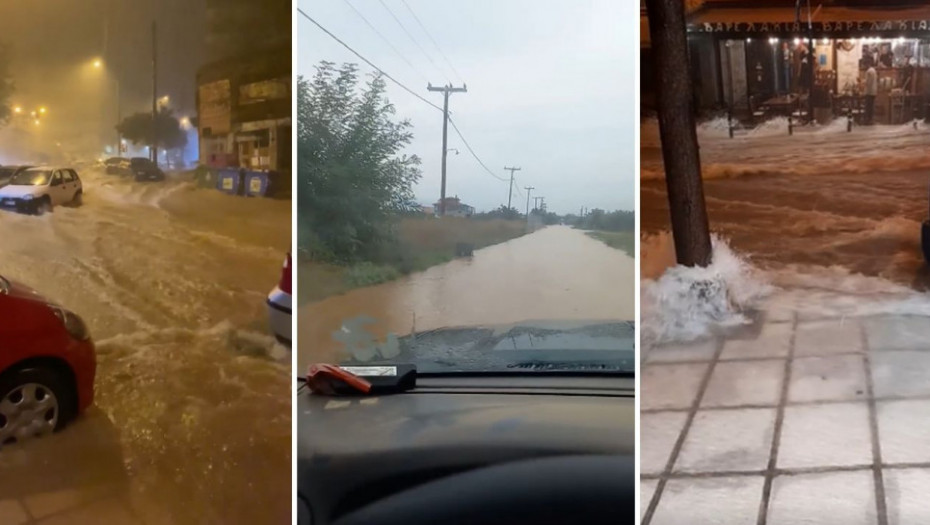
{"x":55,"y":41}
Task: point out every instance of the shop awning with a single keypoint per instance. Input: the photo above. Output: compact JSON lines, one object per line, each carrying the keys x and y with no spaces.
{"x":826,"y":20}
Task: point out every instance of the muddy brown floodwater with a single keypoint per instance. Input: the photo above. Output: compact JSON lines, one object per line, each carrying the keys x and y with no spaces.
{"x":192,"y":421}
{"x":823,"y":198}
{"x":556,"y":273}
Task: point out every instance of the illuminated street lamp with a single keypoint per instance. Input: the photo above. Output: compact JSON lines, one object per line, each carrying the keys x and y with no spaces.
{"x":185,"y":122}
{"x":163,"y":101}
{"x":98,"y":63}
{"x":42,"y":110}
{"x":17,"y":109}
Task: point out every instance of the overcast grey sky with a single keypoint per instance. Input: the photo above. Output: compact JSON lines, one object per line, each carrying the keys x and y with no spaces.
{"x":550,"y":89}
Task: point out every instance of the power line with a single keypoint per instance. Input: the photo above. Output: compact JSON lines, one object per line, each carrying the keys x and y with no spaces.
{"x":386,"y":41}
{"x":405,"y":88}
{"x":473,"y":154}
{"x":428,"y":35}
{"x":356,"y":53}
{"x":402,"y":26}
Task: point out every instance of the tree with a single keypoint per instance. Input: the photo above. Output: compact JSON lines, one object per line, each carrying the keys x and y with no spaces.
{"x":6,"y":83}
{"x":353,"y":180}
{"x":509,"y":214}
{"x":137,"y":128}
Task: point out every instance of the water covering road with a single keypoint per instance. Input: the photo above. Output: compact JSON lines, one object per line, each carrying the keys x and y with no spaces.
{"x":192,"y":416}
{"x":819,"y":198}
{"x":556,"y":273}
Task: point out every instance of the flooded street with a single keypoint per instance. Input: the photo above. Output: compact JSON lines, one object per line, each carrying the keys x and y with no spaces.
{"x":191,"y":422}
{"x":823,"y":198}
{"x":557,"y":273}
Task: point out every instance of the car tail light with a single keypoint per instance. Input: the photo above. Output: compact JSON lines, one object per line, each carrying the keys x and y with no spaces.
{"x":285,"y":283}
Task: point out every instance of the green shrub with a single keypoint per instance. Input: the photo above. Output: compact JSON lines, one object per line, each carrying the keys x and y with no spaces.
{"x":368,"y":274}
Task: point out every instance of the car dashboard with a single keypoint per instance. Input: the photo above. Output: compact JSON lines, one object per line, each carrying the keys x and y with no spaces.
{"x":479,"y":449}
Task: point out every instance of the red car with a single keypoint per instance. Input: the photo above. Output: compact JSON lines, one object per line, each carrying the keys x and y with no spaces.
{"x":47,"y":364}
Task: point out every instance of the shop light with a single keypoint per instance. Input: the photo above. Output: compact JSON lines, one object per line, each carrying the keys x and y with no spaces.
{"x":748,"y":40}
{"x":797,"y":41}
{"x":825,"y":41}
{"x":773,"y":41}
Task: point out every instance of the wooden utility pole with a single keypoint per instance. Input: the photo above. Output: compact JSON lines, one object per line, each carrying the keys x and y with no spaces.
{"x":680,"y":153}
{"x":528,"y":190}
{"x":154,"y":94}
{"x":446,"y":91}
{"x":536,"y":202}
{"x":510,"y":194}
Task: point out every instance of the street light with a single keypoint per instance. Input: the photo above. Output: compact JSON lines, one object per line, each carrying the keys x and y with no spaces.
{"x":98,"y":64}
{"x":17,"y":109}
{"x":42,"y":110}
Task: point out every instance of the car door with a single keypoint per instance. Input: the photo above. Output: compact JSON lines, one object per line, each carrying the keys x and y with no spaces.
{"x":78,"y":185}
{"x":57,"y":189}
{"x":70,"y":185}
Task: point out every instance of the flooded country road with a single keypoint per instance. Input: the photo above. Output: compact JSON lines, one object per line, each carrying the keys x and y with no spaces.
{"x":824,"y":198}
{"x":191,"y":422}
{"x":556,"y":273}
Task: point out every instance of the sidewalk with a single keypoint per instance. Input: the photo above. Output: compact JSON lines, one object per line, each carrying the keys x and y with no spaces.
{"x":790,"y":420}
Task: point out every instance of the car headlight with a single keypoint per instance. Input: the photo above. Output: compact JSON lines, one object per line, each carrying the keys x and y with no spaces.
{"x":73,"y":323}
{"x":27,"y":197}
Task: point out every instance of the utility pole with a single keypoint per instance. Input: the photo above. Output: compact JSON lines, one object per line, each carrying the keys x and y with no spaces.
{"x":528,"y":190}
{"x":680,"y":153}
{"x":155,"y":95}
{"x":446,"y":91}
{"x":510,"y":194}
{"x":536,"y":202}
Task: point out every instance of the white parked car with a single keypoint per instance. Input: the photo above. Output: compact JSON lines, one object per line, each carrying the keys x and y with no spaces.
{"x":279,"y":306}
{"x":39,"y":189}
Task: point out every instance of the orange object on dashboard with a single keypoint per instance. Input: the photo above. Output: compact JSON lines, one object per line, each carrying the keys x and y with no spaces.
{"x":326,"y":379}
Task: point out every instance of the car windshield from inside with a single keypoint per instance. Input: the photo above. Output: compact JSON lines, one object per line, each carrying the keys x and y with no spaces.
{"x":404,"y":257}
{"x":32,"y":177}
{"x":568,"y":347}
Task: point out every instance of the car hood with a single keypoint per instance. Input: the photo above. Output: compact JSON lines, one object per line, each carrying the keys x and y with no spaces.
{"x":16,"y":192}
{"x":20,"y":291}
{"x":607,"y":346}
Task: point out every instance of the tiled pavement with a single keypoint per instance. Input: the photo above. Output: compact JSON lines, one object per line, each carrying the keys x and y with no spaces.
{"x":790,"y":421}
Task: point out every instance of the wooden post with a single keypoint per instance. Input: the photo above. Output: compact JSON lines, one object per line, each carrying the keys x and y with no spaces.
{"x":677,"y":131}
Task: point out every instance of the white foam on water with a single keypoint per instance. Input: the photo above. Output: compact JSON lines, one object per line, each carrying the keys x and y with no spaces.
{"x":681,"y":304}
{"x":685,"y":303}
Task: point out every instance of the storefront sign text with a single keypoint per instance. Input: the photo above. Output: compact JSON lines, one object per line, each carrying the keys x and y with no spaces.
{"x":818,"y":27}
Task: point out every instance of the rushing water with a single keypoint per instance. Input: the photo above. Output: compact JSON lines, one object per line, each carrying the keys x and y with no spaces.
{"x":818,"y":198}
{"x":556,"y":273}
{"x":192,"y":416}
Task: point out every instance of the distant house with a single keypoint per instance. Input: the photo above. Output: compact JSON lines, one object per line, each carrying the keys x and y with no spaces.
{"x":455,"y":208}
{"x":427,"y":210}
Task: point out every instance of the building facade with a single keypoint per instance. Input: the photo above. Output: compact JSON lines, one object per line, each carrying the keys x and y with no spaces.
{"x":756,"y":58}
{"x":244,"y":93}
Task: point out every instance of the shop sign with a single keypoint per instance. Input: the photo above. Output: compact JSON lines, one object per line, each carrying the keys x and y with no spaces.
{"x":818,"y":27}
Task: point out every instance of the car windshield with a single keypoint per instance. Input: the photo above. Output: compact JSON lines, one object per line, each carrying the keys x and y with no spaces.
{"x":576,"y":347}
{"x":467,"y":255}
{"x":140,"y":163}
{"x":31,"y":178}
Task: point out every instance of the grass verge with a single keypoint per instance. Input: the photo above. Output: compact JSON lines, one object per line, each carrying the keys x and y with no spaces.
{"x":422,"y":243}
{"x":624,"y":241}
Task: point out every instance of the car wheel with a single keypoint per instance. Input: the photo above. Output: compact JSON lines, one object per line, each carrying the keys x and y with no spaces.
{"x":44,"y":206}
{"x":33,"y":402}
{"x":78,"y":198}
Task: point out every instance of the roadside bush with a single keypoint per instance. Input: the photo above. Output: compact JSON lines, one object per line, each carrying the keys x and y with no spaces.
{"x":368,"y":274}
{"x":353,"y":179}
